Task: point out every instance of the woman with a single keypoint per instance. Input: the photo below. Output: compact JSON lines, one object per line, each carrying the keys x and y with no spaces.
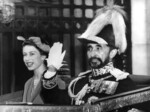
{"x":34,"y":55}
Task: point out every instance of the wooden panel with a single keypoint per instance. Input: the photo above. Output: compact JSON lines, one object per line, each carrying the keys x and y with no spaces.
{"x":119,"y":102}
{"x":11,"y":97}
{"x":39,"y":108}
{"x":1,"y":64}
{"x":6,"y":59}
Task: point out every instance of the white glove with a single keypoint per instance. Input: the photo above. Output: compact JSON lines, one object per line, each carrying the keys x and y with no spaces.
{"x":55,"y":57}
{"x":118,"y":74}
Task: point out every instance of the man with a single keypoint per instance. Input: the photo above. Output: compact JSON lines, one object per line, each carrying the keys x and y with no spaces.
{"x":104,"y":38}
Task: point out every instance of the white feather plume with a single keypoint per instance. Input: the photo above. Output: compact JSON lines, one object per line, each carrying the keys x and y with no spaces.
{"x":119,"y":27}
{"x":96,"y":25}
{"x":109,"y":15}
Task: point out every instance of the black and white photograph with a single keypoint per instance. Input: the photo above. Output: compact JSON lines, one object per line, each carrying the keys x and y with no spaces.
{"x":74,"y":56}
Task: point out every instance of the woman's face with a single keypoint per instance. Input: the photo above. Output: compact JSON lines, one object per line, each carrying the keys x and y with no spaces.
{"x":32,"y":57}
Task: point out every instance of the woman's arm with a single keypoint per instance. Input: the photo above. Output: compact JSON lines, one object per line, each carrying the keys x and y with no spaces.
{"x":54,"y":91}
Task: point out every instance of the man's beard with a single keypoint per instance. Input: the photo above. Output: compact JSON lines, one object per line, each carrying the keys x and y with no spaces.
{"x":96,"y":62}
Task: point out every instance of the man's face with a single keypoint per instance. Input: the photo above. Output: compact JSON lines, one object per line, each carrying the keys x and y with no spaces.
{"x":98,"y":55}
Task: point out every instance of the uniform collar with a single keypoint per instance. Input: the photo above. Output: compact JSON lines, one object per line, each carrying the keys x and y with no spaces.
{"x":104,"y":70}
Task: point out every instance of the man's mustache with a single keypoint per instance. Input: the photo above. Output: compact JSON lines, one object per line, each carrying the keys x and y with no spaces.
{"x":93,"y":58}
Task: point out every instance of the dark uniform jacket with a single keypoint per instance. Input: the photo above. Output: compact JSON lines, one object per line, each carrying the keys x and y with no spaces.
{"x":132,"y":82}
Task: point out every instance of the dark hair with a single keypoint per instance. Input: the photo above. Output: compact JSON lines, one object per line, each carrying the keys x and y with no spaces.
{"x":31,"y":43}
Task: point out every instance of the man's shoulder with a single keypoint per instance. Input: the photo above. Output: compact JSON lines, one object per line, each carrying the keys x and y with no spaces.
{"x":86,"y":73}
{"x":82,"y":77}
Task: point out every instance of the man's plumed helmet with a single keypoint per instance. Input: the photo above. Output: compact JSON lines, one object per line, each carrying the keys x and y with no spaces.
{"x":108,"y":27}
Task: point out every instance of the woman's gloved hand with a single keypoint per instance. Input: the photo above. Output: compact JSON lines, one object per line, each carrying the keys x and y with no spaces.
{"x":55,"y":59}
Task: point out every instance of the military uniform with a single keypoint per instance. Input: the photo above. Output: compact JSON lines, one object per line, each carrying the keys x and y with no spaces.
{"x":102,"y":88}
{"x":88,"y":86}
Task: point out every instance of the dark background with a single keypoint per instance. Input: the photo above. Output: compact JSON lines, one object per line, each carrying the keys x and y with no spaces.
{"x":54,"y":20}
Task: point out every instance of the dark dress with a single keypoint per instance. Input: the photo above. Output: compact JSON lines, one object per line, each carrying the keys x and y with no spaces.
{"x":53,"y":94}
